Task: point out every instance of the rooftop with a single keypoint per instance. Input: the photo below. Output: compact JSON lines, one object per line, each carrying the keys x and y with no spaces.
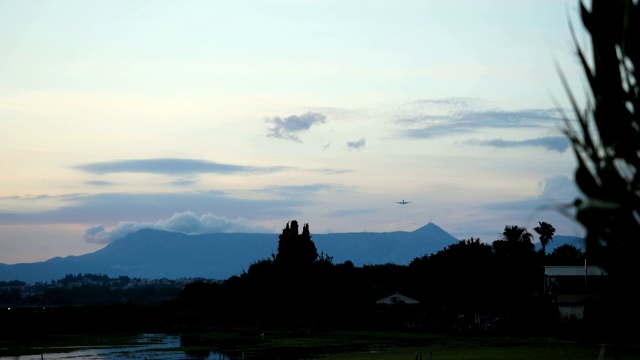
{"x":574,"y":271}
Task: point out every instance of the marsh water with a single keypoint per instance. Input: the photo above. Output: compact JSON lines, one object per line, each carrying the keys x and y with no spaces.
{"x":146,"y":346}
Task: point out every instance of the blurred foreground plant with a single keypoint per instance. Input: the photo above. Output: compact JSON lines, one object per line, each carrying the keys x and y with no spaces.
{"x":606,"y":143}
{"x":606,"y":140}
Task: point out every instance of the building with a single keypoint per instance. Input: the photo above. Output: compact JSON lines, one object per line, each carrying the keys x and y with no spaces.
{"x":397,"y":299}
{"x":573,"y":288}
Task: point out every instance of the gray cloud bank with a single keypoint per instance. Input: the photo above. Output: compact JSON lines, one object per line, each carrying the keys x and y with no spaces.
{"x":436,"y":118}
{"x":169,"y":166}
{"x":550,"y":205}
{"x":557,"y":143}
{"x":558,"y":187}
{"x":288,"y":127}
{"x":185,"y":222}
{"x":555,"y":194}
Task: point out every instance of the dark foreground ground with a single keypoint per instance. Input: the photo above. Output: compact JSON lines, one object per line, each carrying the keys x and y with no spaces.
{"x":355,"y":345}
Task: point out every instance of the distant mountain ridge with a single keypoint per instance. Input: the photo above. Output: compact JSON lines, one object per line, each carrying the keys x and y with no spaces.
{"x":560,"y":240}
{"x":157,"y":254}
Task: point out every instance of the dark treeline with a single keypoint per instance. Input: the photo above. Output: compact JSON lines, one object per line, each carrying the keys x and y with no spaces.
{"x":469,"y":287}
{"x":87,"y":289}
{"x":500,"y":283}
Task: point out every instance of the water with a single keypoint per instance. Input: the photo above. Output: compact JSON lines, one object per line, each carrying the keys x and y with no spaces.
{"x":152,"y":346}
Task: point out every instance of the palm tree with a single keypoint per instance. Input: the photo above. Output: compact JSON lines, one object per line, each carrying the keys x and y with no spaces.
{"x":514,"y":242}
{"x":545,"y":232}
{"x":514,"y":233}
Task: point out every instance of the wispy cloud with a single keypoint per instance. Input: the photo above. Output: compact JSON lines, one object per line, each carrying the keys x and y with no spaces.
{"x":330,"y":171}
{"x":169,"y":166}
{"x":350,"y":212}
{"x":436,"y":118}
{"x":185,"y":222}
{"x":183,"y":182}
{"x":98,"y":183}
{"x":115,"y":207}
{"x":554,"y":143}
{"x":289,"y":127}
{"x":297,"y":191}
{"x":356,"y":144}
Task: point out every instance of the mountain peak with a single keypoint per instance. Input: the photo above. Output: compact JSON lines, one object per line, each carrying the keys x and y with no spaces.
{"x":435,"y":234}
{"x":430,"y":227}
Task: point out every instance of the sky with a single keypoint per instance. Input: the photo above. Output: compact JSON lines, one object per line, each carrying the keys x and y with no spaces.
{"x":239,"y":116}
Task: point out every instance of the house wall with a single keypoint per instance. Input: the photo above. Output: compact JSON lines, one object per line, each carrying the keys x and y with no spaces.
{"x":571,"y":311}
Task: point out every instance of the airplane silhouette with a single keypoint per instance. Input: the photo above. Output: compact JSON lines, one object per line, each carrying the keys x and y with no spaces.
{"x":403,"y":202}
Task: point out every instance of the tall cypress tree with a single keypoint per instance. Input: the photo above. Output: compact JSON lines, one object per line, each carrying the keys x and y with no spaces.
{"x":294,"y":249}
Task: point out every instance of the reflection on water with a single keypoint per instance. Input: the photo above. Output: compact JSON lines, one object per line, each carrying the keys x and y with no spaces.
{"x":151,"y":346}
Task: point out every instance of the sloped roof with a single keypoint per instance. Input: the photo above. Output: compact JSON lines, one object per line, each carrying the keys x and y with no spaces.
{"x":574,"y":299}
{"x":397,"y":298}
{"x":574,"y":271}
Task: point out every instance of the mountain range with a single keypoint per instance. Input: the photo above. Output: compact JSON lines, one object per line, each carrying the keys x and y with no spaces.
{"x":156,"y":254}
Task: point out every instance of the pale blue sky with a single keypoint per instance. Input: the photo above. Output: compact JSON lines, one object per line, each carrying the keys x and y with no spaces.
{"x":242,"y":115}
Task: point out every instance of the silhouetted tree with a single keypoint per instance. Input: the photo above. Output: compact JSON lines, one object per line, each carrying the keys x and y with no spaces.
{"x":521,"y":272}
{"x":295,"y":249}
{"x":514,"y":233}
{"x":566,"y":254}
{"x":515,"y":241}
{"x":324,"y":260}
{"x":545,"y":232}
{"x":456,"y":278}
